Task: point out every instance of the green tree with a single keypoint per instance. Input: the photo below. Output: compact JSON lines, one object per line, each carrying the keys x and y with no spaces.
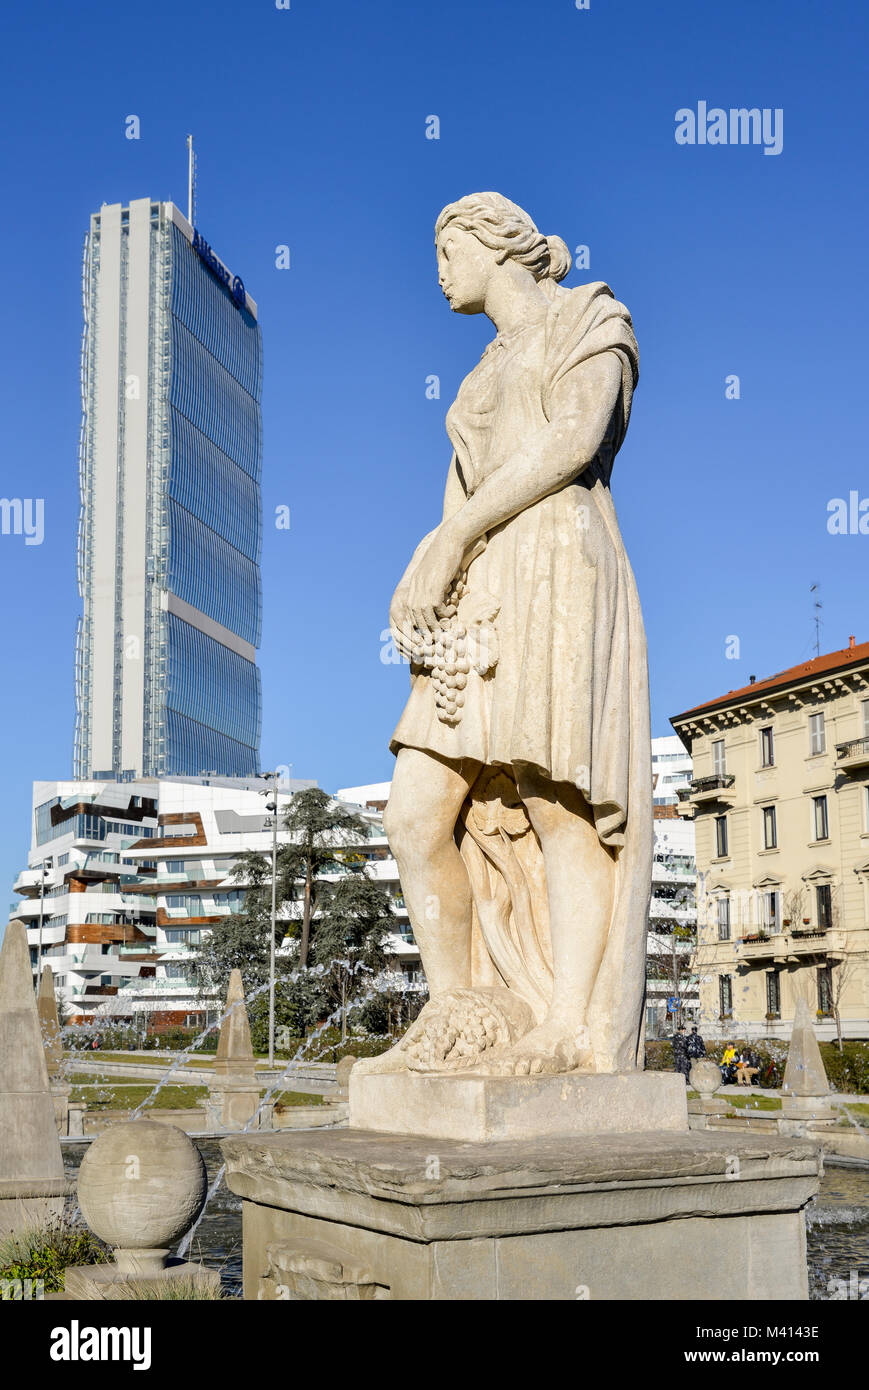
{"x":317,"y":826}
{"x":345,"y":921}
{"x":350,"y":938}
{"x":238,"y":942}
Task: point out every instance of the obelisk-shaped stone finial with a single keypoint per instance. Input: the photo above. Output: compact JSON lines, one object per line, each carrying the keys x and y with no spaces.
{"x":805,"y":1088}
{"x":233,"y":1097}
{"x":52,"y":1041}
{"x":234,"y":1050}
{"x":31,"y":1164}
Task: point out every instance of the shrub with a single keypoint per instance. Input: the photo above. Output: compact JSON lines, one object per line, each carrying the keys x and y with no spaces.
{"x":847,"y":1071}
{"x":45,"y":1250}
{"x":659,"y":1056}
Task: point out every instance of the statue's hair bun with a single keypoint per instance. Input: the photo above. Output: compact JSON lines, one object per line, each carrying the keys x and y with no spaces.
{"x":560,"y":259}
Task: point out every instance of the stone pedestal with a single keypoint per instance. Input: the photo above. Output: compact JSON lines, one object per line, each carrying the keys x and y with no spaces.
{"x":110,"y":1281}
{"x":480,"y":1108}
{"x":32,"y":1181}
{"x":815,"y":1110}
{"x":60,"y":1096}
{"x":233,"y":1107}
{"x":77,"y":1112}
{"x":652,"y":1216}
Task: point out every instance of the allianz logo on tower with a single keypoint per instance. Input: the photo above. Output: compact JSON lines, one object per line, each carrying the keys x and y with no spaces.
{"x":233,"y":283}
{"x":712,"y":125}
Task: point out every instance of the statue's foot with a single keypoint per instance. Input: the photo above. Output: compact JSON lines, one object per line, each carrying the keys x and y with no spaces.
{"x":457,"y":1030}
{"x":553,"y":1047}
{"x":390,"y":1061}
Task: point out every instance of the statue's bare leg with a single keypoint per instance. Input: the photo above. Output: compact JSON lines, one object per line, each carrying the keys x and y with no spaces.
{"x":580,"y":886}
{"x":420,"y":820}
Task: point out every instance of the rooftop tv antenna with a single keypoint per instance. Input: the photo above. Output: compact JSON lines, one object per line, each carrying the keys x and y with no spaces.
{"x":191,"y":180}
{"x":816,"y":590}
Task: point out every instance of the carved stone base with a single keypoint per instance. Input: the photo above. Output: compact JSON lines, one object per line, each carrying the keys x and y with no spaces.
{"x":313,"y":1270}
{"x":230,"y":1107}
{"x":355,"y":1214}
{"x":100,"y":1282}
{"x":480,"y":1108}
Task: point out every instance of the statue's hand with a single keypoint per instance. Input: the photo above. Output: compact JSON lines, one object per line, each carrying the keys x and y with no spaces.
{"x":432,"y":577}
{"x":400,"y":621}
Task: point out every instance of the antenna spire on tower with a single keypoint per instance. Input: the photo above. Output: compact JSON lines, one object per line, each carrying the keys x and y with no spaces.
{"x":191,"y":181}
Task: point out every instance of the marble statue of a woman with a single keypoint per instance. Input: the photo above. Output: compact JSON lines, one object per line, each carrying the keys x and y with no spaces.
{"x":520,"y":812}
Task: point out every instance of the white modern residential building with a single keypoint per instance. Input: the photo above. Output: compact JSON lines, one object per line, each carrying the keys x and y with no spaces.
{"x":125,"y":880}
{"x":204,"y":827}
{"x":171,"y":514}
{"x":673,"y":909}
{"x":89,"y":908}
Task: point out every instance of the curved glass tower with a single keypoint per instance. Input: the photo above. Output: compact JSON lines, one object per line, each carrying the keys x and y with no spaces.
{"x":170,"y":530}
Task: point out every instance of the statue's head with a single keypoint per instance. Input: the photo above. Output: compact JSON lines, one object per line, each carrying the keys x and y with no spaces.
{"x":479,"y":234}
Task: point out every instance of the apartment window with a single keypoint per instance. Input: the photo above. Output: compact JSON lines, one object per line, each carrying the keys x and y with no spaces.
{"x":719,"y":761}
{"x":773,"y":993}
{"x":725,"y":995}
{"x":817,"y":734}
{"x":770,"y":835}
{"x":821,"y":823}
{"x":190,"y":902}
{"x":825,"y":989}
{"x":771,"y":914}
{"x":824,"y":904}
{"x":721,"y":837}
{"x":767,"y":757}
{"x":865,"y":706}
{"x":723,"y":919}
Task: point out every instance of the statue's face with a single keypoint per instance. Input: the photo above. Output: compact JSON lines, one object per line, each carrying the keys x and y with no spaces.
{"x":464,"y":269}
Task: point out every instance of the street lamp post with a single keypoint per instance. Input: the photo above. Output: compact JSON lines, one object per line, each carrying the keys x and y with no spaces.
{"x":272,"y":807}
{"x":46,"y":866}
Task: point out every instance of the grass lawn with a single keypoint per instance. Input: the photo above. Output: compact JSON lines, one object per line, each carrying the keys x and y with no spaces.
{"x":121,"y":1094}
{"x":127,"y":1096}
{"x":297,"y":1098}
{"x":859,"y":1111}
{"x":754,"y":1102}
{"x":150,"y":1059}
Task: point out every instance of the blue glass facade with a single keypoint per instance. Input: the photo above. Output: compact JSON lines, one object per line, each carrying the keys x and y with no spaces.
{"x":212,"y":705}
{"x":213,"y":522}
{"x":171,"y":527}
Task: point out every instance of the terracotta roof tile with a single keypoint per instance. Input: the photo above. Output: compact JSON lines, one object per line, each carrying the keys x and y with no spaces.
{"x":819,"y":665}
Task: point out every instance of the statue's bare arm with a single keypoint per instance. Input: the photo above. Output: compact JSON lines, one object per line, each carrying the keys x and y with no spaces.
{"x":582,"y":408}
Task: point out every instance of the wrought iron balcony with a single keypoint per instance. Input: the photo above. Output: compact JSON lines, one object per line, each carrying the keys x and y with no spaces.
{"x":716,"y":788}
{"x":853,"y":754}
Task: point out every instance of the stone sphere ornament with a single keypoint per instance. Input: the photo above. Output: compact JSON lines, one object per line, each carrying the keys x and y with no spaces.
{"x":141,"y":1185}
{"x":705,"y":1076}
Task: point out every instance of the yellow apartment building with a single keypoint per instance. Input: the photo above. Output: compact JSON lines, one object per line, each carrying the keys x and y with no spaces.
{"x":780,"y":802}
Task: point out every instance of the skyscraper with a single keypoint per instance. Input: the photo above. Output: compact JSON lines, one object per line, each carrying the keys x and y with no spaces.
{"x":170,"y":529}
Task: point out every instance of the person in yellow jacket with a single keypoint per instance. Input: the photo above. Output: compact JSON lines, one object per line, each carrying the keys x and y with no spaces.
{"x":728,"y":1062}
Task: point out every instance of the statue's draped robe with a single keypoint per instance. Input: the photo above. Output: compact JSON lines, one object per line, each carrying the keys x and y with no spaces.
{"x":569,"y":692}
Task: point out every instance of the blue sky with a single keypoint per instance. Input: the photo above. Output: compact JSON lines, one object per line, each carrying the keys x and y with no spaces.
{"x":310,"y":126}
